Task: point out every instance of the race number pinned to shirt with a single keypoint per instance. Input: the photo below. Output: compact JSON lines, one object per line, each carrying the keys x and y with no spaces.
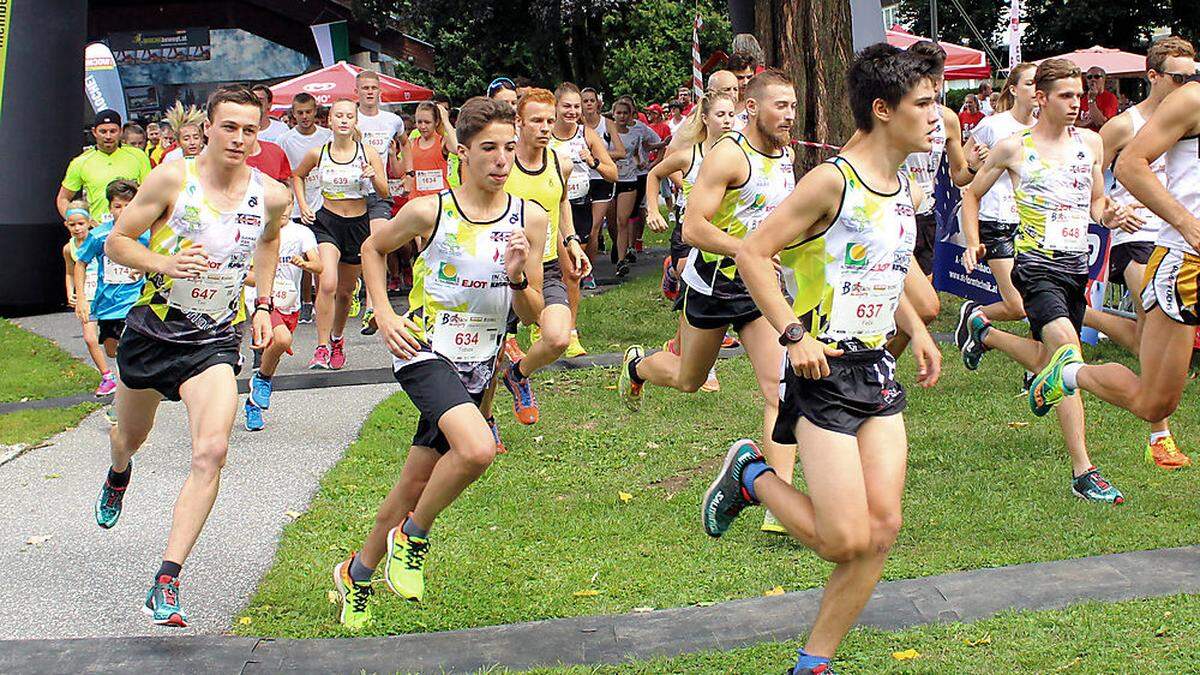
{"x":119,"y":274}
{"x":430,"y":180}
{"x":212,"y":293}
{"x":863,"y":307}
{"x":464,"y":337}
{"x":284,"y":293}
{"x":1067,"y":230}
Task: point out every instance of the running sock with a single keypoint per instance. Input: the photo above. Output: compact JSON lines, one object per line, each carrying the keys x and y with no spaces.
{"x":751,"y":473}
{"x":1070,"y":375}
{"x":515,"y":370}
{"x":259,"y":374}
{"x":1156,"y":436}
{"x":806,"y":660}
{"x":633,"y":371}
{"x":168,"y":568}
{"x":120,"y":480}
{"x":359,"y":572}
{"x":335,"y":338}
{"x":413,"y":530}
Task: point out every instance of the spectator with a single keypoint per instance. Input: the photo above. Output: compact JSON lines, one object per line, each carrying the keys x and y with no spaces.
{"x":746,"y":43}
{"x":1098,"y":104}
{"x":985,"y":98}
{"x":970,"y":115}
{"x":98,"y":166}
{"x":134,"y":135}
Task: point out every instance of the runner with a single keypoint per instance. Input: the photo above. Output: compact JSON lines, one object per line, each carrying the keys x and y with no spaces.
{"x":1058,"y":184}
{"x":115,"y":287}
{"x":270,"y":129}
{"x":741,"y":66}
{"x":997,"y":219}
{"x":208,"y":216}
{"x":1170,"y":296}
{"x":296,"y":143}
{"x":96,"y":167}
{"x":504,"y":90}
{"x":638,"y":140}
{"x":80,"y":296}
{"x":847,"y":246}
{"x":1130,"y":251}
{"x":602,"y":188}
{"x":540,"y":174}
{"x":651,"y":145}
{"x":478,"y":261}
{"x":188,"y":125}
{"x":743,"y":178}
{"x":298,"y":253}
{"x":348,"y":171}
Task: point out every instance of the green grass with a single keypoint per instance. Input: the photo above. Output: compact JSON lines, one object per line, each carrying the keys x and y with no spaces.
{"x":30,"y":427}
{"x":633,"y":312}
{"x":988,"y":486}
{"x":1160,"y":635}
{"x":33,"y":367}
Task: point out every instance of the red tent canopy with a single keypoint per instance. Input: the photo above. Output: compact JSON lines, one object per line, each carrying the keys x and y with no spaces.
{"x":1113,"y":61}
{"x":962,"y":63}
{"x":337,"y":81}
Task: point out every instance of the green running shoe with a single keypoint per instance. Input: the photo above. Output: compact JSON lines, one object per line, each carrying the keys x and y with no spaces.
{"x":108,"y":504}
{"x":1048,"y":387}
{"x":1092,"y":487}
{"x":162,"y":603}
{"x":356,"y":299}
{"x":404,"y":566}
{"x":726,"y":497}
{"x":368,"y":323}
{"x":355,"y":613}
{"x":630,"y":391}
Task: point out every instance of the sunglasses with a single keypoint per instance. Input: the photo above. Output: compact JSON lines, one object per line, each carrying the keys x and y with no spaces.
{"x":1095,"y":76}
{"x":1179,"y":78}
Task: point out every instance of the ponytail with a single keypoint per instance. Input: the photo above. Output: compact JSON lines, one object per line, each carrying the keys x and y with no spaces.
{"x":694,"y":130}
{"x":1007,"y":98}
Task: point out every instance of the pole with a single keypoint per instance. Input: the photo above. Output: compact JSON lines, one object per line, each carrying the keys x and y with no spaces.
{"x":933,"y":21}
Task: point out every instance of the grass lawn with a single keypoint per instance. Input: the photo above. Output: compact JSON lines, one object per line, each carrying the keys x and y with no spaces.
{"x":31,"y":426}
{"x":33,"y":367}
{"x":988,"y":486}
{"x":1160,"y":635}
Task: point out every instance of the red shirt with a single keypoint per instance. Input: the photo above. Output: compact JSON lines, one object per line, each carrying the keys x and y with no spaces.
{"x":272,"y":161}
{"x":968,"y":120}
{"x":1105,"y":100}
{"x":664,"y":132}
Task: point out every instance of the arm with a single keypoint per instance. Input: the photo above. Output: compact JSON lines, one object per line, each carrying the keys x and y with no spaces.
{"x":153,"y":200}
{"x":1104,"y":209}
{"x":960,"y":171}
{"x":606,"y":167}
{"x":374,"y":171}
{"x":72,"y":183}
{"x":311,"y":262}
{"x":1115,"y":134}
{"x":69,"y":276}
{"x":406,"y":165}
{"x":63,"y":198}
{"x":80,"y":279}
{"x":924,"y":349}
{"x":415,"y":219}
{"x":668,"y":166}
{"x":523,"y":260}
{"x":618,"y":146}
{"x":997,"y":163}
{"x":266,"y":258}
{"x":449,"y":136}
{"x":580,"y":264}
{"x":727,"y":165}
{"x":298,"y":176}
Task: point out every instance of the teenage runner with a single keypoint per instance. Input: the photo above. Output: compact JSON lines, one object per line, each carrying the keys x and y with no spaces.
{"x":480,"y":260}
{"x":188,"y":125}
{"x":1170,"y":298}
{"x":208,"y":217}
{"x":636,"y":138}
{"x":741,"y":66}
{"x":78,"y":223}
{"x":839,"y":396}
{"x":743,"y":178}
{"x":603,"y":189}
{"x":348,"y":171}
{"x":1059,"y":187}
{"x":998,"y":208}
{"x":504,"y":90}
{"x":1130,"y":251}
{"x":296,"y":143}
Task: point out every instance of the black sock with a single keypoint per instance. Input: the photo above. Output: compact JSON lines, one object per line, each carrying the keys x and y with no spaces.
{"x":168,"y":568}
{"x":261,"y":376}
{"x":516,"y":370}
{"x":120,"y":480}
{"x":633,"y":371}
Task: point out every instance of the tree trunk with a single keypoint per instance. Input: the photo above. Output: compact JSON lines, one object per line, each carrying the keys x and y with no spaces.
{"x":810,"y":41}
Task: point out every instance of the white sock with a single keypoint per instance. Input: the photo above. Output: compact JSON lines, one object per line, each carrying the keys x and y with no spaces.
{"x":1070,"y":373}
{"x":335,"y":338}
{"x":1156,"y":436}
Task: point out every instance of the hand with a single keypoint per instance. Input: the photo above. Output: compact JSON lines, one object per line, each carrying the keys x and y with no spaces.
{"x":977,"y":157}
{"x":186,"y":264}
{"x":368,"y":171}
{"x":808,"y":357}
{"x":1122,"y":216}
{"x":971,"y":257}
{"x":585,"y":153}
{"x":261,"y":323}
{"x":655,"y":221}
{"x":306,"y":215}
{"x":81,"y":310}
{"x":581,"y":265}
{"x":928,"y":358}
{"x":397,"y":333}
{"x":70,"y":300}
{"x":298,"y":260}
{"x":410,"y":185}
{"x":516,"y":253}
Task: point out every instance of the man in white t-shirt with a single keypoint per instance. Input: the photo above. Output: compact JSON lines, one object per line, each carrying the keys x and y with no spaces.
{"x":296,"y":143}
{"x":268,"y":129}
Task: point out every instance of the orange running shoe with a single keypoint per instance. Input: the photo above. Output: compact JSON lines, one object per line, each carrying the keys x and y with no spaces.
{"x":729,"y":342}
{"x":1166,"y":454}
{"x":512,"y":350}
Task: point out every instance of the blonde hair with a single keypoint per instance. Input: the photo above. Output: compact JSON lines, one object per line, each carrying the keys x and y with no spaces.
{"x":432,"y":108}
{"x":1007,"y":98}
{"x":694,"y":130}
{"x":178,"y":117}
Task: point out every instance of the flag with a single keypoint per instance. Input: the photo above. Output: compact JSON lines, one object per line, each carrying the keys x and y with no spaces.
{"x":1014,"y":34}
{"x":101,"y":81}
{"x":697,"y":76}
{"x":333,"y":42}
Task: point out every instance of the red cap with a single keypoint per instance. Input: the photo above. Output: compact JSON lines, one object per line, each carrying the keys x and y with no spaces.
{"x":654,"y":108}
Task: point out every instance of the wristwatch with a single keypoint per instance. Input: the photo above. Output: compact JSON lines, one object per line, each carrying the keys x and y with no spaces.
{"x":266,"y":303}
{"x":524,"y":283}
{"x":792,"y":334}
{"x":569,"y":239}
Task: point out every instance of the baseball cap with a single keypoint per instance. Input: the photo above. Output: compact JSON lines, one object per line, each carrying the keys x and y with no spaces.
{"x":107,"y":117}
{"x":654,"y":108}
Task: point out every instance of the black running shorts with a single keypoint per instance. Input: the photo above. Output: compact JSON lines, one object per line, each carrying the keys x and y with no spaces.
{"x":708,"y":313}
{"x":434,"y":387}
{"x":1121,"y":255}
{"x":998,"y":238}
{"x":347,"y":234}
{"x":860,"y":385}
{"x":144,"y":362}
{"x":1049,"y":295}
{"x":926,"y":239}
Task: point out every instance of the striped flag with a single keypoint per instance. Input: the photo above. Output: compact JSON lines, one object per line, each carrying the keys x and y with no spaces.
{"x":697,"y":76}
{"x":333,"y":42}
{"x":1014,"y":34}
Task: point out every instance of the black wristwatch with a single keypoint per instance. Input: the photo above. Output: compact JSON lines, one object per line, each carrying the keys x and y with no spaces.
{"x":569,"y":239}
{"x":792,"y":334}
{"x":519,"y":286}
{"x":266,"y":304}
{"x":595,"y":163}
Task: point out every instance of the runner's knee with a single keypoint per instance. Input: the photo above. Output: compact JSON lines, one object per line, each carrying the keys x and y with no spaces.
{"x":478,"y":453}
{"x":884,"y":530}
{"x":845,"y":544}
{"x":1157,"y":406}
{"x":208,"y":454}
{"x":556,"y":338}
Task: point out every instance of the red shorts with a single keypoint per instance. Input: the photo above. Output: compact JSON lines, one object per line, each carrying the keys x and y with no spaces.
{"x":288,"y":321}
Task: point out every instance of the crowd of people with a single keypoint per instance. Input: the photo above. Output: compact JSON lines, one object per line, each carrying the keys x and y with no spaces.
{"x":492,"y":214}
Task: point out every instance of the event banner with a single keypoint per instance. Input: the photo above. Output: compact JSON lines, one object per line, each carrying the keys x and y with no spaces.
{"x":161,"y":46}
{"x":101,"y":81}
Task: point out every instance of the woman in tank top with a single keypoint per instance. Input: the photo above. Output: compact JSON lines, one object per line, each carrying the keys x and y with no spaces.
{"x":431,"y":150}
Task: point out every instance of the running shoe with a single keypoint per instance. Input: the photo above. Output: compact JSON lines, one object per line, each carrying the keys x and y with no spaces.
{"x":110,"y":414}
{"x":670,"y":284}
{"x":1166,"y":454}
{"x":711,"y":384}
{"x":393,"y":284}
{"x":671,"y":346}
{"x":968,"y":334}
{"x":512,"y":350}
{"x":1092,"y":487}
{"x":108,"y":384}
{"x":822,"y":669}
{"x":631,"y":255}
{"x":771,"y":524}
{"x":588,"y":283}
{"x":404,"y":566}
{"x":500,"y":449}
{"x":630,"y":391}
{"x":1048,"y":387}
{"x":260,"y":391}
{"x":535,"y":335}
{"x":525,"y":405}
{"x":638,"y":245}
{"x":1026,"y":383}
{"x":306,"y":313}
{"x":108,"y":505}
{"x":355,"y":299}
{"x":730,"y":342}
{"x":163,"y":605}
{"x":355,"y":614}
{"x":574,"y":346}
{"x":320,"y":359}
{"x":254,"y":416}
{"x":622,"y":268}
{"x":337,"y":354}
{"x":726,"y":497}
{"x":368,"y":323}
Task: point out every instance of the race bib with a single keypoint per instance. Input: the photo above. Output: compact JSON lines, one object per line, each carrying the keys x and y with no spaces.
{"x":578,"y":184}
{"x":212,"y":293}
{"x":285,"y":295}
{"x":463,"y":337}
{"x":1066,"y":231}
{"x":865,"y":307}
{"x":395,"y":186}
{"x":89,"y":284}
{"x":430,"y":181}
{"x":120,"y":274}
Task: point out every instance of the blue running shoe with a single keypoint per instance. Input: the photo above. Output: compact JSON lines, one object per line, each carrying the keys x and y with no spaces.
{"x":260,"y":391}
{"x":162,"y":603}
{"x":525,"y":405}
{"x":726,"y":497}
{"x":254,"y":417}
{"x":1092,"y":487}
{"x":108,"y":505}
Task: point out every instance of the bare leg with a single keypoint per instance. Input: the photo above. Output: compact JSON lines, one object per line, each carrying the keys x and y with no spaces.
{"x":135,"y":418}
{"x":624,"y":238}
{"x":91,"y":339}
{"x":1027,"y":352}
{"x":347,"y":278}
{"x":698,"y":349}
{"x":471,"y":453}
{"x":925,"y":300}
{"x":281,"y":341}
{"x":555,"y":322}
{"x":1010,"y":307}
{"x":761,"y":341}
{"x":399,"y":502}
{"x":326,"y":290}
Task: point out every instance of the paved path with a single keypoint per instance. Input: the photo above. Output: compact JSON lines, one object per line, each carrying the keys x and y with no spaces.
{"x":83,"y":581}
{"x":962,"y":596}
